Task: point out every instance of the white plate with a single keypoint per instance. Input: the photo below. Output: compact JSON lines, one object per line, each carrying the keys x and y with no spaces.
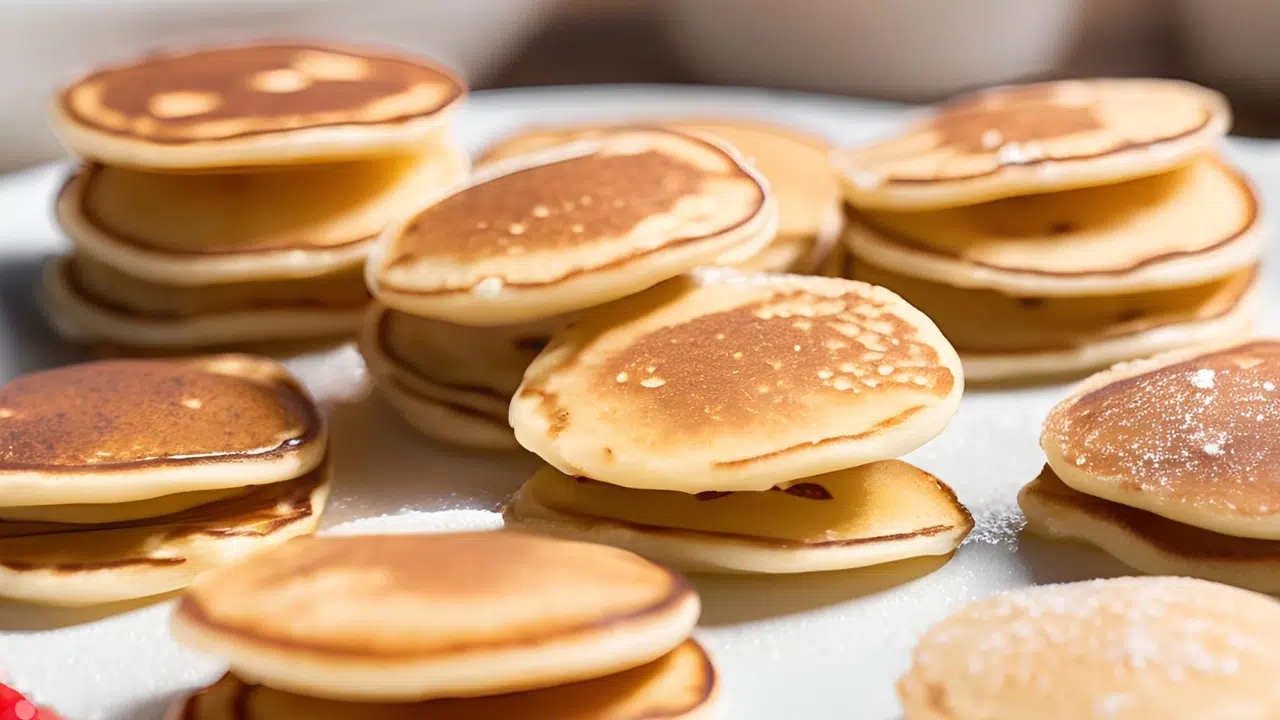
{"x":811,"y":648}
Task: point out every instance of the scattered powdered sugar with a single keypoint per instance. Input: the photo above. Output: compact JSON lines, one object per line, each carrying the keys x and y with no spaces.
{"x":1203,"y":378}
{"x":1168,"y":631}
{"x":1201,"y":429}
{"x":997,"y":526}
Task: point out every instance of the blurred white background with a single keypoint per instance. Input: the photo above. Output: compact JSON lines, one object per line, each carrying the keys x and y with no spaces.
{"x":899,"y":49}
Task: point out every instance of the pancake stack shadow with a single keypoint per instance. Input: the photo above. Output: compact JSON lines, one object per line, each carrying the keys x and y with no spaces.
{"x":1169,"y":465}
{"x":229,"y":195}
{"x":125,"y":479}
{"x":1056,"y":228}
{"x":484,"y":626}
{"x":471,"y":287}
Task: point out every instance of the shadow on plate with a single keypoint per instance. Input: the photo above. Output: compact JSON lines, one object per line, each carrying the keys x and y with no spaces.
{"x":34,"y":345}
{"x":733,"y":599}
{"x":1053,"y":561}
{"x":26,"y":617}
{"x":382,"y":466}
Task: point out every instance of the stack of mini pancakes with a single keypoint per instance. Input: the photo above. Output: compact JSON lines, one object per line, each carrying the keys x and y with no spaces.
{"x":1056,"y":228}
{"x":743,"y":422}
{"x":470,"y":288}
{"x":230,"y":195}
{"x":482,"y":626}
{"x":1171,"y":648}
{"x":124,"y":479}
{"x":794,"y":164}
{"x":1171,"y":464}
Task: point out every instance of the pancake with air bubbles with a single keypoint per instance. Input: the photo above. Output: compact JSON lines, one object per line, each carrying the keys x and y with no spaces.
{"x":74,"y":564}
{"x":1185,"y":227}
{"x":872,"y":514}
{"x":450,"y":382}
{"x":1145,"y":541}
{"x":211,"y":228}
{"x":572,"y":227}
{"x":681,"y":685}
{"x":89,"y":302}
{"x":793,"y":162}
{"x":401,"y":618}
{"x":125,"y":430}
{"x":1190,"y":435}
{"x":1038,"y":138}
{"x":722,"y":380}
{"x":1125,"y":648}
{"x":1003,"y":339}
{"x":254,"y":105}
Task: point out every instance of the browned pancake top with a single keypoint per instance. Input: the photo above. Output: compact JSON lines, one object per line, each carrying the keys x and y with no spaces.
{"x":121,"y":414}
{"x":1169,"y":536}
{"x":421,"y":595}
{"x":556,"y":206}
{"x":679,"y":683}
{"x":1019,"y":114}
{"x":763,"y":362}
{"x":222,"y":93}
{"x":1204,"y":432}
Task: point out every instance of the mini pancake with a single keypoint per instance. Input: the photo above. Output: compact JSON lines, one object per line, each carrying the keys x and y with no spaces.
{"x":72,"y":565}
{"x":404,"y":618}
{"x":872,"y":514}
{"x":87,"y":301}
{"x":458,"y":421}
{"x":680,"y":685}
{"x":1189,"y":435}
{"x":794,"y":163}
{"x":125,"y":430}
{"x":254,"y":105}
{"x":722,"y":380}
{"x":1002,"y":338}
{"x":1148,"y":542}
{"x":1185,"y":227}
{"x":1132,"y":648}
{"x":573,"y":227}
{"x":1027,"y":139}
{"x":208,"y":228}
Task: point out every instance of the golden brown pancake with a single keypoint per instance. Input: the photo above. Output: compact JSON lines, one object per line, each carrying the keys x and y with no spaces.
{"x":253,"y":105}
{"x":1133,"y":648}
{"x":87,"y":301}
{"x":69,"y":564}
{"x":872,"y":514}
{"x":124,"y":430}
{"x":289,"y":222}
{"x":1185,"y":227}
{"x":572,"y":227}
{"x":1026,"y":139}
{"x":721,"y":380}
{"x":680,"y":685}
{"x":793,"y":162}
{"x":400,"y":618}
{"x":1002,"y":338}
{"x":1191,"y":436}
{"x":1145,"y":541}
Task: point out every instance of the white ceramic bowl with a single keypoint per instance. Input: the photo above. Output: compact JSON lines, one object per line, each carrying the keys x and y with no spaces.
{"x":43,"y":43}
{"x":1234,"y":44}
{"x":900,"y":49}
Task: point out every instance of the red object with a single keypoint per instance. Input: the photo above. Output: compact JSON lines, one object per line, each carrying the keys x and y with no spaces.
{"x":13,"y":706}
